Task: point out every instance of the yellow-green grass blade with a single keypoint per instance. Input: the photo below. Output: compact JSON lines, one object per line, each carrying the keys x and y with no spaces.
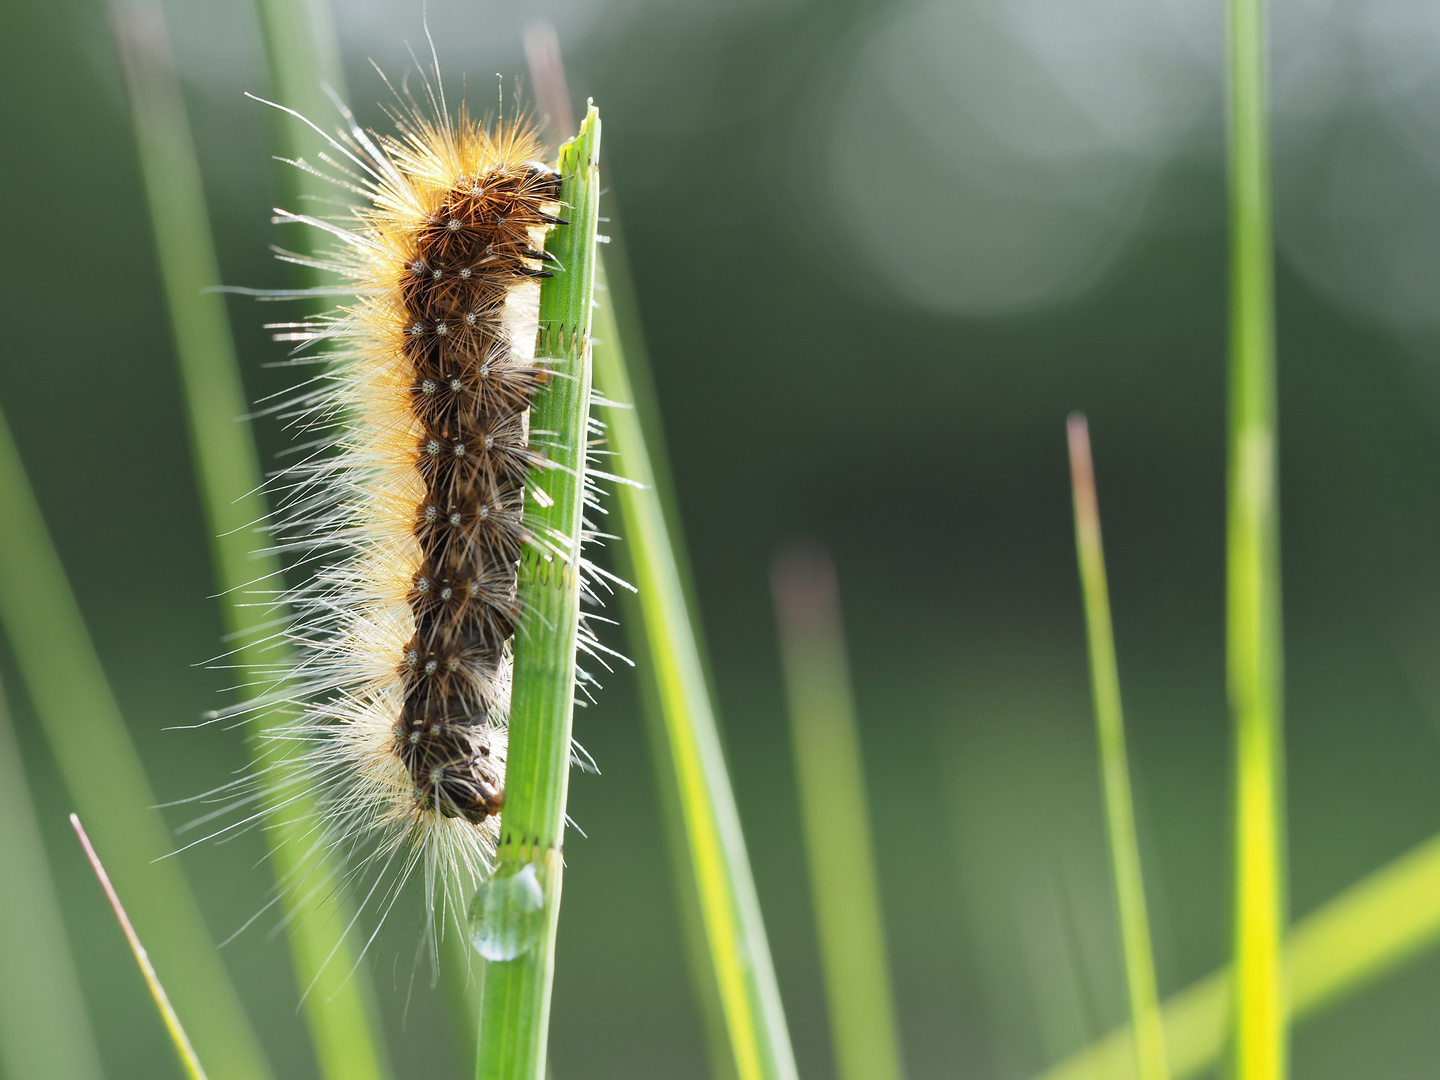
{"x":518,"y":909}
{"x":1253,"y":630}
{"x":622,"y":371}
{"x":176,"y":1030}
{"x":338,"y":998}
{"x":45,"y":1030}
{"x":669,"y":652}
{"x":1389,"y":917}
{"x":725,"y":942}
{"x":1114,"y":767}
{"x":105,"y":778}
{"x":834,"y":811}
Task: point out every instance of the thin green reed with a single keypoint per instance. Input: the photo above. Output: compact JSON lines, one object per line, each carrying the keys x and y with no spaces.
{"x":714,"y":851}
{"x":518,"y":910}
{"x":1383,"y":921}
{"x":1253,"y":625}
{"x":1114,"y":768}
{"x":835,"y":813}
{"x":622,"y":373}
{"x":338,"y":999}
{"x":189,"y":1061}
{"x":105,"y":779}
{"x":44,"y":1027}
{"x":725,"y":934}
{"x":304,"y":60}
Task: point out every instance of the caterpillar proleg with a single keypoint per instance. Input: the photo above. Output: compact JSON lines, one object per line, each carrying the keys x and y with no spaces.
{"x":410,"y":503}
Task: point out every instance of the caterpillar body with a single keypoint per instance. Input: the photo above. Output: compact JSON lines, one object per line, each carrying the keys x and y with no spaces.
{"x":411,"y":501}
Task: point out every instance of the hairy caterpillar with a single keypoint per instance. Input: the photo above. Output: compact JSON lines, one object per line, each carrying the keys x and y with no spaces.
{"x":411,"y":499}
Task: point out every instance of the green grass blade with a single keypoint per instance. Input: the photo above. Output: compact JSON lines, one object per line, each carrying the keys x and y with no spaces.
{"x":521,"y":902}
{"x":105,"y":778}
{"x":44,"y":1027}
{"x":671,"y":655}
{"x":1114,"y":768}
{"x":622,"y":373}
{"x":303,"y":55}
{"x":188,"y":1060}
{"x":1386,"y":919}
{"x":1254,"y":649}
{"x":830,"y":776}
{"x":339,"y":1003}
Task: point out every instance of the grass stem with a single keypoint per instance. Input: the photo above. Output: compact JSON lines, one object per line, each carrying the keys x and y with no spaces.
{"x":176,"y":1030}
{"x":519,"y":907}
{"x":338,"y":999}
{"x":1390,"y":917}
{"x":1114,"y":768}
{"x":737,"y":952}
{"x":727,"y":950}
{"x":44,"y":1025}
{"x":622,"y":373}
{"x":1254,"y":648}
{"x":105,"y":778}
{"x":834,"y":810}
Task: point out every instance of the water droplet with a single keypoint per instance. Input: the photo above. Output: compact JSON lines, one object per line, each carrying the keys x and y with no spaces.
{"x":508,"y":915}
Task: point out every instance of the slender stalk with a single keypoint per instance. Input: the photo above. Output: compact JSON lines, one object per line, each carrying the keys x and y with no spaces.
{"x":738,"y":952}
{"x":338,"y":1000}
{"x":728,"y":954}
{"x":646,"y":555}
{"x":44,"y":1027}
{"x":830,"y":774}
{"x":303,"y":54}
{"x":1114,"y":768}
{"x":104,"y":776}
{"x":523,"y":896}
{"x":1383,"y":921}
{"x":622,"y":374}
{"x":1254,"y":649}
{"x":172,"y":1023}
{"x":734,"y":930}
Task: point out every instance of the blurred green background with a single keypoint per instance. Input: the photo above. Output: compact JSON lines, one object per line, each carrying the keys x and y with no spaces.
{"x":880,"y":250}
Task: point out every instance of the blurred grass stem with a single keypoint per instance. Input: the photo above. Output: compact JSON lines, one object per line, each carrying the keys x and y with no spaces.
{"x":338,"y":1000}
{"x":1254,"y":649}
{"x":738,"y":952}
{"x":103,"y":774}
{"x":829,"y":767}
{"x":1114,"y":769}
{"x":1390,"y":917}
{"x":622,"y":374}
{"x":720,"y":912}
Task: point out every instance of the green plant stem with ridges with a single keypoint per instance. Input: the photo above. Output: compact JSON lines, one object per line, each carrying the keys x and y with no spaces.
{"x":739,"y":954}
{"x":106,"y":781}
{"x":1253,"y":629}
{"x":515,"y":993}
{"x":1114,"y":767}
{"x":835,"y":813}
{"x":44,"y":1026}
{"x":1388,"y":918}
{"x":339,"y":1002}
